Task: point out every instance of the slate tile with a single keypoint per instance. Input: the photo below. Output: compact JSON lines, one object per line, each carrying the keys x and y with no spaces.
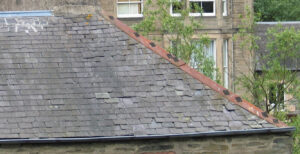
{"x":76,"y":79}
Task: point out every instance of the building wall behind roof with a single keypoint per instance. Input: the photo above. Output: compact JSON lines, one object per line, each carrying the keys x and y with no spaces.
{"x":217,"y":28}
{"x":29,"y":5}
{"x":247,"y":144}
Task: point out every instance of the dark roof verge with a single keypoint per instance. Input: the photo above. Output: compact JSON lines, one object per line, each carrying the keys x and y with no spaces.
{"x":168,"y":136}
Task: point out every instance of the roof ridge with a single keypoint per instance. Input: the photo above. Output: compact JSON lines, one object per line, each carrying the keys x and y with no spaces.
{"x":232,"y":97}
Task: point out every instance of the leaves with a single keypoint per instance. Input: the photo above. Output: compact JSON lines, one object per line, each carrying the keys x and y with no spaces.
{"x":186,"y":43}
{"x":277,"y":10}
{"x":267,"y":87}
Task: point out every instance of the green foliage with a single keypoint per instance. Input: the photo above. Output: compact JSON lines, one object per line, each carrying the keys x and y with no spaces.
{"x":296,"y":123}
{"x":277,"y":10}
{"x":187,"y":43}
{"x":267,"y":88}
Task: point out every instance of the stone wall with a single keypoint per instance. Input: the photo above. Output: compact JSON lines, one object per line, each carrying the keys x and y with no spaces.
{"x":246,"y":144}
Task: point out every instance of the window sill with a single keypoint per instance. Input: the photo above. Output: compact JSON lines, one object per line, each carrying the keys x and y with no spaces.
{"x":130,"y":16}
{"x":176,"y":15}
{"x":202,"y":15}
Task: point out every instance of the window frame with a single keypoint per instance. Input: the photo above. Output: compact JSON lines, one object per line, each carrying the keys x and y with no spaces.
{"x":130,"y":15}
{"x":203,"y":14}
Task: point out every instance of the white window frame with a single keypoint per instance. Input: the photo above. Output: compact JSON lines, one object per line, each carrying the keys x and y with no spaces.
{"x":203,"y":14}
{"x":171,"y":10}
{"x":225,"y":64}
{"x":130,"y":15}
{"x":225,"y":9}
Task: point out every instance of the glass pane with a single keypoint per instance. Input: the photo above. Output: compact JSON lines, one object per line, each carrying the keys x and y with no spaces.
{"x":177,"y":7}
{"x":208,"y":7}
{"x":123,"y":9}
{"x":194,"y":56}
{"x":195,"y":7}
{"x":130,"y":1}
{"x":225,"y":52}
{"x":134,"y":9}
{"x":209,"y":50}
{"x":224,"y":10}
{"x":225,"y":76}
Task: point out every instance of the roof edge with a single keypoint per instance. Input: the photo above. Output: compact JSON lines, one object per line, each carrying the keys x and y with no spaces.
{"x":232,"y":97}
{"x":147,"y":137}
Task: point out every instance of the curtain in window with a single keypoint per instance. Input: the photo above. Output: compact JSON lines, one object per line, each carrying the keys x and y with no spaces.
{"x":129,"y":7}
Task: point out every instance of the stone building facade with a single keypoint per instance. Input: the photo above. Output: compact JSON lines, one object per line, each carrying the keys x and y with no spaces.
{"x":219,"y":25}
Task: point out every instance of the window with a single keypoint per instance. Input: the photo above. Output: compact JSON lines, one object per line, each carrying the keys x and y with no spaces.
{"x":176,"y":8}
{"x":130,"y":8}
{"x":209,"y":52}
{"x":276,"y":96}
{"x":202,"y":7}
{"x":224,"y":7}
{"x":225,"y":64}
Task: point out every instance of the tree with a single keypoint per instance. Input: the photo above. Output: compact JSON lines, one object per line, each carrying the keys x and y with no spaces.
{"x":186,"y":43}
{"x":267,"y":88}
{"x":277,"y":10}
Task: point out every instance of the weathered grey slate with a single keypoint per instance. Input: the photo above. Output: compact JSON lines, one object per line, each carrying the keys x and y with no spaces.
{"x":72,"y":76}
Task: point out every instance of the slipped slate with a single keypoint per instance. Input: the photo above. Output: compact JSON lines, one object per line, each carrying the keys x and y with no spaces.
{"x":72,"y":76}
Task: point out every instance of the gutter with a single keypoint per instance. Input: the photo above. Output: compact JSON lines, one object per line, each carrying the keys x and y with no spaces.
{"x":147,"y":137}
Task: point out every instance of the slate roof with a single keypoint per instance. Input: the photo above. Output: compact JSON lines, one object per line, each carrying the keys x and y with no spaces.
{"x":261,"y":31}
{"x":74,"y":76}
